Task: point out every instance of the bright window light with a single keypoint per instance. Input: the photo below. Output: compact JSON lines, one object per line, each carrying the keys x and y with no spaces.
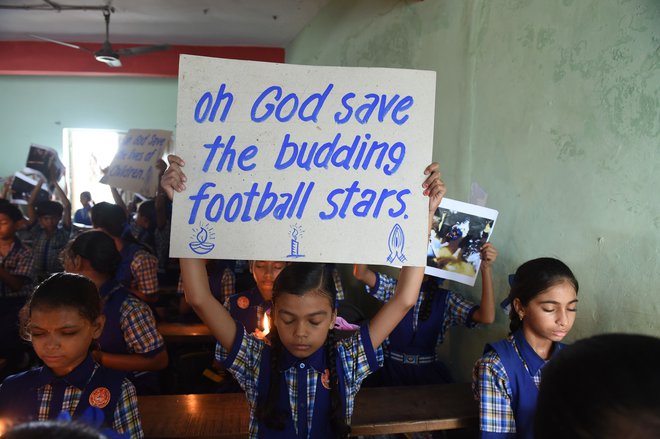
{"x":86,"y":153}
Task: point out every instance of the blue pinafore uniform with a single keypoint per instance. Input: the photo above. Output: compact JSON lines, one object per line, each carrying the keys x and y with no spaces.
{"x":524,"y":391}
{"x":248,"y":308}
{"x":112,"y":339}
{"x":410,"y":356}
{"x":318,"y":361}
{"x":304,"y":396}
{"x":410,"y":349}
{"x":123,"y":274}
{"x":21,"y":397}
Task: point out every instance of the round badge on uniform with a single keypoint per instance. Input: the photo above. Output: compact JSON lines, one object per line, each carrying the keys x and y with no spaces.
{"x":325,"y":379}
{"x":100,"y":397}
{"x":243,"y":302}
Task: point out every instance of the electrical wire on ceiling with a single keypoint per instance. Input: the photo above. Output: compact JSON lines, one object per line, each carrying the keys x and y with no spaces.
{"x":49,"y":5}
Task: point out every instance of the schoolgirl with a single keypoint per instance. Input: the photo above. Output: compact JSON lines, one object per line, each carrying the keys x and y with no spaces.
{"x":16,"y":263}
{"x":543,"y":301}
{"x":304,"y":383}
{"x":62,"y":319}
{"x":410,"y":350}
{"x":138,"y":269}
{"x":129,"y":340}
{"x":222,"y":281}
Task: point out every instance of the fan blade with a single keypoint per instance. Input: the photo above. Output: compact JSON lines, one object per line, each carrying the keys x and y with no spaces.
{"x":62,"y":43}
{"x":142,"y":49}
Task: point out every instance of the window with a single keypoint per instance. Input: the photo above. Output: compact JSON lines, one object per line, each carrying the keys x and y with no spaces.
{"x":86,"y":153}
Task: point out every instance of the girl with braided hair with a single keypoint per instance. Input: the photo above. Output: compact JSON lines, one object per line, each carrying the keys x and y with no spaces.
{"x":303,"y":384}
{"x":506,"y":378}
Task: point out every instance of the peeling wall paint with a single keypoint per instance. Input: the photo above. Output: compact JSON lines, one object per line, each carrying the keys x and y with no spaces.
{"x":554,"y":108}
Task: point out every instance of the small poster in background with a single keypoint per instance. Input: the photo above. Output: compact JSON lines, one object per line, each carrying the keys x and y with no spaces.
{"x":459,"y":231}
{"x":22,"y":186}
{"x":134,"y":165}
{"x":302,"y":163}
{"x":46,"y":162}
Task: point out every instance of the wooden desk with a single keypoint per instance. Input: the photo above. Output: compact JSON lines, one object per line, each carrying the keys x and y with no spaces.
{"x":185,"y":332}
{"x":377,"y":411}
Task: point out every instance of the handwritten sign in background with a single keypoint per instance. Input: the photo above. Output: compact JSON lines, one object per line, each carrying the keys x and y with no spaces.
{"x":133,"y":167}
{"x":306,"y":163}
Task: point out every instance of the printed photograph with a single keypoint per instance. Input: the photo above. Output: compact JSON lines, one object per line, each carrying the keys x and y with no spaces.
{"x":46,"y":161}
{"x":458,"y":232}
{"x":22,"y":186}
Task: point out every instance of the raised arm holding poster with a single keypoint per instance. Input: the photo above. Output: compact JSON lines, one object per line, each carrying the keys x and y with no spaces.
{"x":133,"y":167}
{"x":288,"y":162}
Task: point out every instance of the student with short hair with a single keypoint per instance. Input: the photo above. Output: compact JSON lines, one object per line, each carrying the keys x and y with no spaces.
{"x":603,"y":387}
{"x":62,"y":319}
{"x":543,"y":301}
{"x":16,"y":276}
{"x":49,"y":227}
{"x":145,"y":220}
{"x":16,"y":261}
{"x":84,"y":214}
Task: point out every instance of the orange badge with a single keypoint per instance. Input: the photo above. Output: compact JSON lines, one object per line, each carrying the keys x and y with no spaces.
{"x":243,"y":302}
{"x":325,"y":379}
{"x":100,"y":397}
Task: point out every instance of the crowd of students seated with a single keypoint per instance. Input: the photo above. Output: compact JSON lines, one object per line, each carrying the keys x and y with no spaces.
{"x":81,"y":295}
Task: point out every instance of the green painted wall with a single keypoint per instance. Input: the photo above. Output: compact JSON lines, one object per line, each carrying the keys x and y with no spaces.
{"x":35,"y":109}
{"x":553,"y":107}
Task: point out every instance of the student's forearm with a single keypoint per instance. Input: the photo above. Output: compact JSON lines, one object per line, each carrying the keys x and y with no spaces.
{"x":63,"y":198}
{"x":391,"y":313}
{"x":364,"y":274}
{"x":119,"y":201}
{"x":5,"y":188}
{"x":134,"y":362}
{"x":486,"y":312}
{"x":32,"y":213}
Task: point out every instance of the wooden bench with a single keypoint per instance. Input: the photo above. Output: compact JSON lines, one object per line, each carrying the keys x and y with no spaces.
{"x":185,"y":333}
{"x":377,"y":411}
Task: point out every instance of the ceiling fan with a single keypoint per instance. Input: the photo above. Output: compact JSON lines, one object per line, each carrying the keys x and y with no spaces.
{"x":106,"y":53}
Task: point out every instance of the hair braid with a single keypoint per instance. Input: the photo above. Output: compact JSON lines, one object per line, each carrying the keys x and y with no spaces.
{"x":337,"y":415}
{"x":267,"y":411}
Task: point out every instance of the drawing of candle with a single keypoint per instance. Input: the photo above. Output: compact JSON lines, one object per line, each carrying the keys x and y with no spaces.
{"x":295,"y":244}
{"x":200,"y":245}
{"x":395,"y":244}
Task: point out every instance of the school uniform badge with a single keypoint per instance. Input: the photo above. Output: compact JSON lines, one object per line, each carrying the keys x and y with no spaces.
{"x":100,"y":397}
{"x":325,"y":379}
{"x":243,"y":302}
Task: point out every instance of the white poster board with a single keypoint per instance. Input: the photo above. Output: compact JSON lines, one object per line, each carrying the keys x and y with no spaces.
{"x":458,"y":233}
{"x":133,"y":167}
{"x":306,"y":163}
